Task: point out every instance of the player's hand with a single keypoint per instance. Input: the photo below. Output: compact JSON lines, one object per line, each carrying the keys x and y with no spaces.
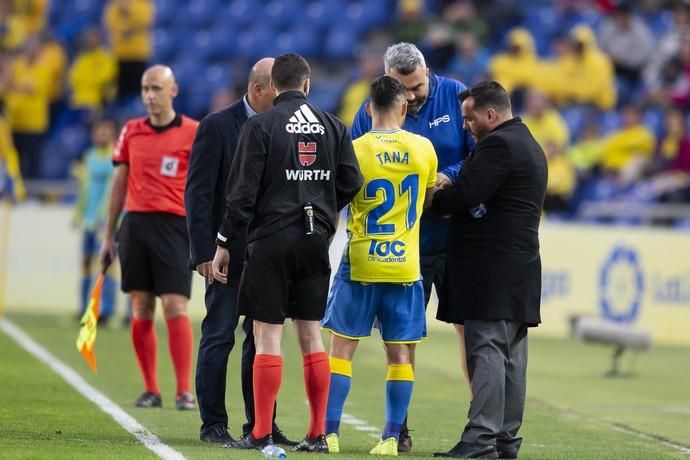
{"x":107,"y":250}
{"x":221,"y":261}
{"x":205,"y":269}
{"x":442,"y":181}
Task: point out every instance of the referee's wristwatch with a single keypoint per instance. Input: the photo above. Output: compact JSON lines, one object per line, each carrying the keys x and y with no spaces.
{"x":222,"y":241}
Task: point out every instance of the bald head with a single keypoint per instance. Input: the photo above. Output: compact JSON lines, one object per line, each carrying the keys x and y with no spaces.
{"x":259,"y":93}
{"x":158,"y":89}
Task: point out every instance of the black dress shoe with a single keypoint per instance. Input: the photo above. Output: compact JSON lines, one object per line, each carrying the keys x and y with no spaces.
{"x":404,"y":441}
{"x":148,"y":399}
{"x":467,"y":450}
{"x":507,"y":453}
{"x":216,"y":434}
{"x":280,"y":438}
{"x":317,"y":444}
{"x":248,"y":441}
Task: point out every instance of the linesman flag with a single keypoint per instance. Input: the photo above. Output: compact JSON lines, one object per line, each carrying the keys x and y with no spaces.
{"x":86,"y":341}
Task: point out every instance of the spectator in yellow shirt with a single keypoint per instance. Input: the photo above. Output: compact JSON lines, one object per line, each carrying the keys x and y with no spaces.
{"x":12,"y":27}
{"x":519,"y":66}
{"x":545,"y":122}
{"x":129,"y":25}
{"x":583,"y":74}
{"x":27,"y":105}
{"x":561,"y":181}
{"x":9,"y":162}
{"x":629,"y":149}
{"x":370,"y":67}
{"x":92,"y":76}
{"x":55,"y":59}
{"x":586,"y":153}
{"x":33,"y":13}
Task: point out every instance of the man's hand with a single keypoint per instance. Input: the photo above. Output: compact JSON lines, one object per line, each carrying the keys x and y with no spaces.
{"x":107,"y":250}
{"x":205,"y":269}
{"x":442,"y":181}
{"x":221,"y":261}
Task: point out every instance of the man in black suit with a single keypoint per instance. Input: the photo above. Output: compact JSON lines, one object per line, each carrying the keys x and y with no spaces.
{"x":212,"y":154}
{"x":493,"y":269}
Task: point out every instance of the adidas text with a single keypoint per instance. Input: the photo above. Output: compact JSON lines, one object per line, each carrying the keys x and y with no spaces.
{"x":304,"y":122}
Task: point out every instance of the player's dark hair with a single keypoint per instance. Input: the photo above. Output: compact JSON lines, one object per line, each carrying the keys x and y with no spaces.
{"x":386,"y":91}
{"x":487,"y":94}
{"x":290,"y":71}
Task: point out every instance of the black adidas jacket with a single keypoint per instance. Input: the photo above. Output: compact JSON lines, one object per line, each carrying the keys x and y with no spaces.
{"x":286,"y":157}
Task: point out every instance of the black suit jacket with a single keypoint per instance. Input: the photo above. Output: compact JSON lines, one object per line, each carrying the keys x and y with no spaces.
{"x":493,"y":268}
{"x":209,"y":166}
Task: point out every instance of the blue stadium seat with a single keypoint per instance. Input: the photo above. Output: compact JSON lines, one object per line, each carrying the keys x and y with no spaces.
{"x":323,"y":13}
{"x":544,"y":24}
{"x":238,"y":14}
{"x":575,"y":117}
{"x":199,"y":13}
{"x":92,"y":10}
{"x":341,"y":42}
{"x":166,"y":12}
{"x":654,"y":120}
{"x":165,"y":45}
{"x":610,"y":121}
{"x":256,"y":43}
{"x":280,"y":14}
{"x":302,"y":40}
{"x":215,"y":76}
{"x":224,"y":42}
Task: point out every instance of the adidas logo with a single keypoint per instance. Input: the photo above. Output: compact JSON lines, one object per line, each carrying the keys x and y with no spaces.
{"x":304,"y":122}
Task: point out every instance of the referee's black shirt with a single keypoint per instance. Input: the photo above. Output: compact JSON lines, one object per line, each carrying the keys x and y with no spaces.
{"x":288,"y":156}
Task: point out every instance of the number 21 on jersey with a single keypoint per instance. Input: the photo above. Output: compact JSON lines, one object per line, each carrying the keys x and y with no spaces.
{"x":375,"y":224}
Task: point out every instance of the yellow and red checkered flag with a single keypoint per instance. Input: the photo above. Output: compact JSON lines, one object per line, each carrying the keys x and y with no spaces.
{"x":86,"y":341}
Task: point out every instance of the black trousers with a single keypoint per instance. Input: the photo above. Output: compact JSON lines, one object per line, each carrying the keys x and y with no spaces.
{"x":432,"y":268}
{"x":217,"y":341}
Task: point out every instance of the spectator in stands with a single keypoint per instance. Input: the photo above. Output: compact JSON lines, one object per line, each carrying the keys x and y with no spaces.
{"x":10,"y":175}
{"x":462,"y":17}
{"x":370,"y":67}
{"x":55,"y":60}
{"x":668,"y":45}
{"x":585,"y":155}
{"x":583,"y":74}
{"x":629,"y":43}
{"x":12,"y":28}
{"x":92,"y":75}
{"x":628,"y":150}
{"x":412,"y":23}
{"x":33,"y":13}
{"x":129,"y":24}
{"x":518,"y":67}
{"x":675,"y":79}
{"x":545,"y":122}
{"x":471,"y":60}
{"x":27,"y":104}
{"x":438,"y":45}
{"x":561,"y":181}
{"x":94,"y":177}
{"x":673,"y":153}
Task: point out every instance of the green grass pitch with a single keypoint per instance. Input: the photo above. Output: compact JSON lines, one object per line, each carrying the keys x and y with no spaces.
{"x":572,"y":412}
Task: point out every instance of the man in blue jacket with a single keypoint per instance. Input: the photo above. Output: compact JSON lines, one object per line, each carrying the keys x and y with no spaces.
{"x":433,"y":111}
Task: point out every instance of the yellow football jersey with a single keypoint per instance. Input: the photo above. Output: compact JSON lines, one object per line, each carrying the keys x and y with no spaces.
{"x":383,"y":226}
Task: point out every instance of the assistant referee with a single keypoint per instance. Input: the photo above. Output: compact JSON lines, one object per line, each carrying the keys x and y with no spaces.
{"x":151,"y":158}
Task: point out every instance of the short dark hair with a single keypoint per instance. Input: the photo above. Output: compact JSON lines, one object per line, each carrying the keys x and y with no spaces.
{"x":290,"y":71}
{"x":487,"y":94}
{"x":385,"y":91}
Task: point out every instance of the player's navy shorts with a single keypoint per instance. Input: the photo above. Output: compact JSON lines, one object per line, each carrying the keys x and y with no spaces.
{"x":285,"y":275}
{"x":154,"y":254}
{"x":90,"y":244}
{"x":397,"y":308}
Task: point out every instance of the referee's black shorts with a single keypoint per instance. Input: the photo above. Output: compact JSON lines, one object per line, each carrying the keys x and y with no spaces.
{"x":285,"y":275}
{"x":154,"y":254}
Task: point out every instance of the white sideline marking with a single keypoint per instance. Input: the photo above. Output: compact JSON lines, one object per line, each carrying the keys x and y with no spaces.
{"x":126,"y":421}
{"x":360,"y":425}
{"x":617,"y":427}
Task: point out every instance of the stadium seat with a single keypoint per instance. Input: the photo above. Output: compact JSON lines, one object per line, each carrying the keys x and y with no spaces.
{"x":224,"y":42}
{"x":165,"y":45}
{"x":238,"y":14}
{"x":256,"y":43}
{"x":280,"y":14}
{"x":199,"y":13}
{"x":575,"y":117}
{"x":302,"y":40}
{"x":610,"y":121}
{"x":340,"y":42}
{"x":166,"y":11}
{"x":654,"y":120}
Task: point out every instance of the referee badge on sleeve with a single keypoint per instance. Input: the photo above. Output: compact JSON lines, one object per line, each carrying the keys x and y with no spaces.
{"x":169,"y":166}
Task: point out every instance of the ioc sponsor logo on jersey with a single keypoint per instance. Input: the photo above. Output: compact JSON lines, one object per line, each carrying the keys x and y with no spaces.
{"x":304,"y":122}
{"x":387,"y":251}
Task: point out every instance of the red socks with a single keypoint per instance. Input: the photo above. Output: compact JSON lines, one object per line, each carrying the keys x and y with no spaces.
{"x":181,"y":345}
{"x":145,"y":345}
{"x":317,"y":374}
{"x":268,"y":374}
